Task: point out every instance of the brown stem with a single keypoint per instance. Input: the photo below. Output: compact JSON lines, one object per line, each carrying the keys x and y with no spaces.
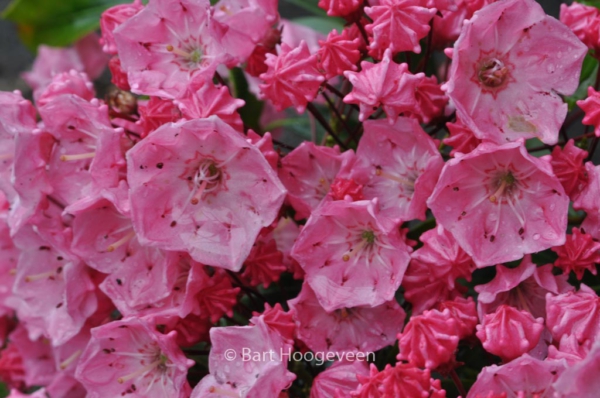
{"x":339,"y":116}
{"x":315,"y":112}
{"x":458,"y":383}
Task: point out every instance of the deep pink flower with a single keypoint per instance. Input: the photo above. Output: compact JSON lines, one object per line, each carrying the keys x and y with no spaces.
{"x":523,"y":377}
{"x":129,"y":357}
{"x":591,"y":106}
{"x":578,"y":17}
{"x":169,"y":44}
{"x":199,"y":186}
{"x":509,"y":333}
{"x":308,"y":172}
{"x":581,"y":379}
{"x":264,"y":264}
{"x":339,"y":380}
{"x":206,"y":99}
{"x":155,"y":112}
{"x":401,"y":380}
{"x":277,"y":320}
{"x":570,"y":349}
{"x":429,"y":340}
{"x":462,"y":140}
{"x":399,"y":165}
{"x":509,"y":67}
{"x":342,"y":187}
{"x":397,"y":25}
{"x":340,"y":8}
{"x":463,"y":311}
{"x":293,"y":77}
{"x":385,"y":84}
{"x":36,"y":356}
{"x":112,"y":19}
{"x":217,"y":297}
{"x":12,"y":372}
{"x":567,"y":164}
{"x":351,"y":255}
{"x":357,"y":329}
{"x":524,"y":287}
{"x":338,"y":53}
{"x":580,"y":252}
{"x":500,"y":203}
{"x":574,"y":313}
{"x":430,"y":99}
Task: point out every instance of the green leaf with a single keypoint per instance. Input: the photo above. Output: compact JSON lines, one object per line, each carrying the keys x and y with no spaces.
{"x":56,"y":23}
{"x":593,"y":3}
{"x":589,"y":71}
{"x":321,"y":24}
{"x":308,"y":5}
{"x":250,"y":112}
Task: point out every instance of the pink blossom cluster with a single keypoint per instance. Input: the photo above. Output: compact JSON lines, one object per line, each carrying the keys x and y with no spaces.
{"x":151,"y":239}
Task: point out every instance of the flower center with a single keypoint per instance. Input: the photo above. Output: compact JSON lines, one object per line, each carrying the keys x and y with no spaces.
{"x":504,"y":184}
{"x":366,"y":241}
{"x":207,"y":179}
{"x":189,"y":55}
{"x":492,"y":73}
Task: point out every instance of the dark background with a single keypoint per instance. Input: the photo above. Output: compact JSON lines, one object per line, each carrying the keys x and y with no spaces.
{"x":15,"y":58}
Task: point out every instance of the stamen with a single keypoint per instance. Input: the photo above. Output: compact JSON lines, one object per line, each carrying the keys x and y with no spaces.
{"x":400,"y":180}
{"x":139,"y":372}
{"x":37,"y":277}
{"x":220,"y":391}
{"x":80,"y":156}
{"x":178,"y":51}
{"x":65,"y":364}
{"x":198,"y":195}
{"x":120,"y":242}
{"x":354,"y":250}
{"x":499,"y":191}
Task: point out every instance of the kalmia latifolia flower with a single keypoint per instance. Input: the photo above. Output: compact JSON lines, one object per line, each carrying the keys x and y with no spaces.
{"x":128,"y":357}
{"x":580,"y":252}
{"x":590,"y":106}
{"x":568,"y":166}
{"x":509,"y":66}
{"x":351,"y":255}
{"x":574,"y":313}
{"x":198,"y":186}
{"x":500,"y":203}
{"x":339,"y":380}
{"x":338,"y":53}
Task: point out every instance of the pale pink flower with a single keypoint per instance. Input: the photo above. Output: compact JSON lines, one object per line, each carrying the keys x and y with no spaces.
{"x":356,"y":329}
{"x":399,"y":165}
{"x":385,"y":84}
{"x":37,"y":359}
{"x":580,"y":252}
{"x":112,"y":19}
{"x":338,"y":380}
{"x":199,"y":186}
{"x":568,"y":167}
{"x":338,"y":53}
{"x":308,"y":172}
{"x":206,"y":99}
{"x":429,"y":340}
{"x":510,"y":66}
{"x":591,"y":107}
{"x":569,"y":349}
{"x":500,"y":203}
{"x":509,"y":333}
{"x":293,"y":77}
{"x":277,"y":320}
{"x":263,"y":373}
{"x":581,"y":379}
{"x":71,"y":82}
{"x":586,"y":198}
{"x":351,"y":256}
{"x":574,"y":313}
{"x":397,"y":25}
{"x":129,"y":357}
{"x":265,"y":145}
{"x":523,"y":287}
{"x":523,"y":377}
{"x":169,"y":44}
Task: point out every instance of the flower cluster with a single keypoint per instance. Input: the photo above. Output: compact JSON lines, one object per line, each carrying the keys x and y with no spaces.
{"x":444,"y":213}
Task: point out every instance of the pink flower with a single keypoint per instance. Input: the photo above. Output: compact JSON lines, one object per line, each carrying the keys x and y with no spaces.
{"x":509,"y":333}
{"x":524,"y":287}
{"x":397,"y":25}
{"x":356,"y":329}
{"x":307,"y":173}
{"x":581,"y":379}
{"x":36,"y":357}
{"x":12,"y":372}
{"x":580,"y":252}
{"x":206,"y":99}
{"x":155,"y":112}
{"x":401,"y":380}
{"x":591,"y":106}
{"x":351,"y":256}
{"x":463,"y":311}
{"x":341,"y":188}
{"x":523,"y":377}
{"x":509,"y":67}
{"x":567,"y":164}
{"x":578,"y":18}
{"x":338,"y":53}
{"x":198,"y":186}
{"x":293,"y":77}
{"x":264,"y":264}
{"x":129,"y":357}
{"x":574,"y":313}
{"x":399,"y":165}
{"x":340,"y":8}
{"x":339,"y":380}
{"x":462,"y":140}
{"x":167,"y":45}
{"x":570,"y":349}
{"x":500,"y":197}
{"x":71,"y":82}
{"x":263,"y":373}
{"x":430,"y":99}
{"x":385,"y":84}
{"x":277,"y":320}
{"x":429,"y":340}
{"x":112,"y":19}
{"x":217,"y":296}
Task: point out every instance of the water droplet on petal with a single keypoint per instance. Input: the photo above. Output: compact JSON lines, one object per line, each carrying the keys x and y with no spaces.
{"x":536,"y":236}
